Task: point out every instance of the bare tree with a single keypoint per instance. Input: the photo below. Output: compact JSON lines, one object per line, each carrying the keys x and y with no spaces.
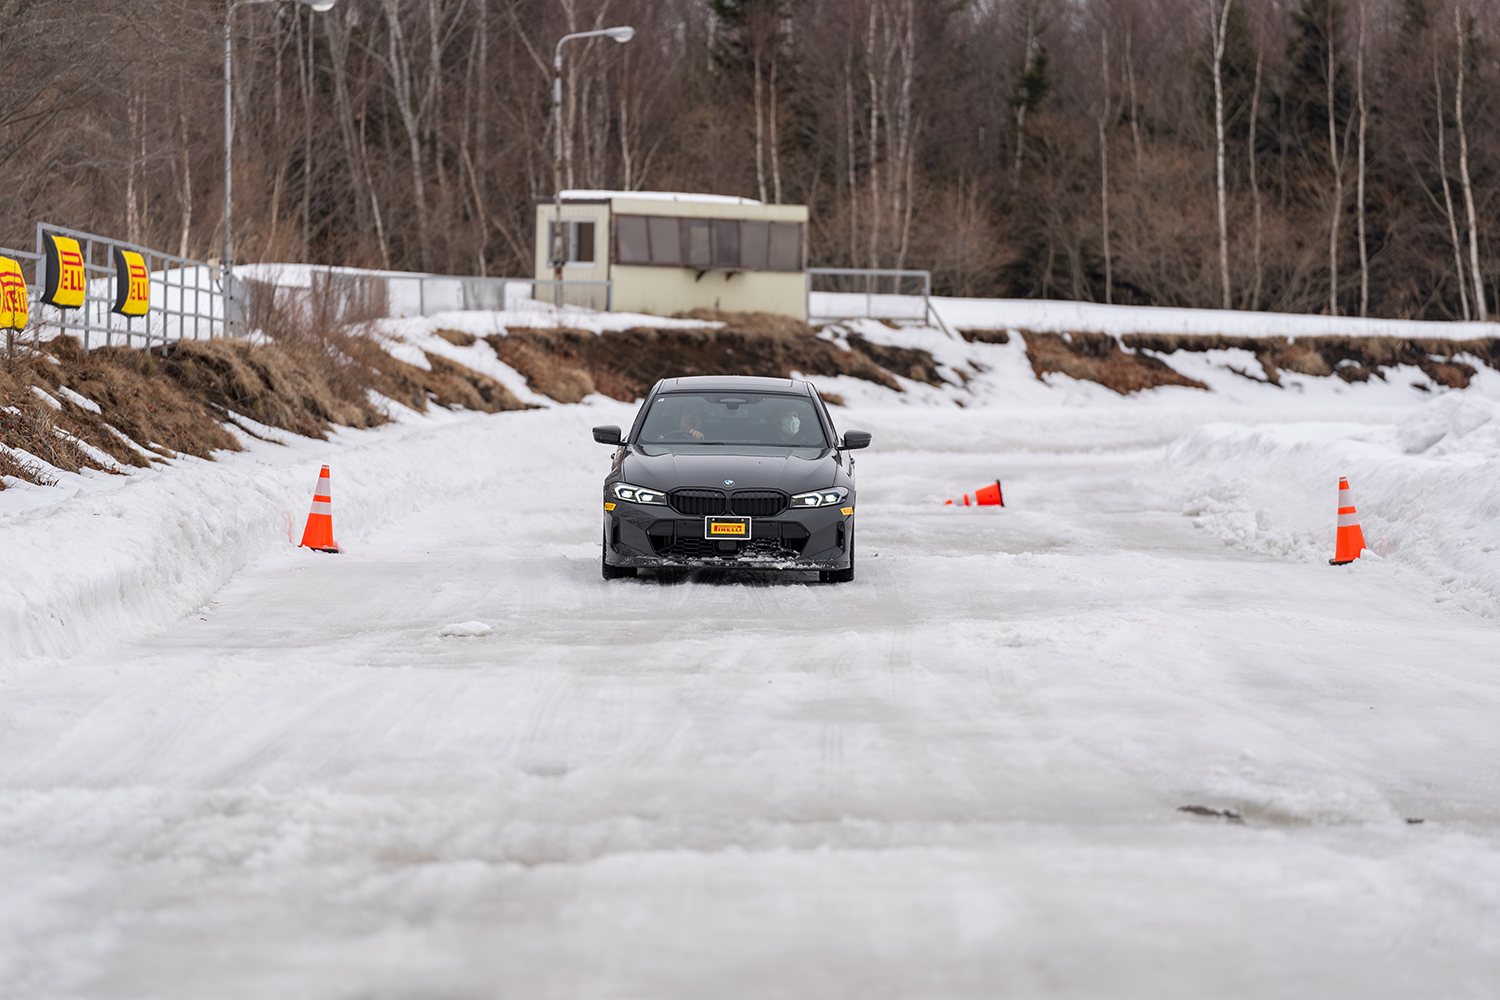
{"x":1364,"y":254}
{"x":1336,"y":162}
{"x":1254,"y":157}
{"x":874,"y":137}
{"x":1103,"y":123}
{"x":185,"y":189}
{"x":1030,"y":10}
{"x":412,"y":109}
{"x":1458,"y":260}
{"x":1135,"y":116}
{"x":1463,"y":167}
{"x":1220,"y":30}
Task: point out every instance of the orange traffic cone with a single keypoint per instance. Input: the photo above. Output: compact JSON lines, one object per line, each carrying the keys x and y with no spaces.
{"x":985,"y":496}
{"x":318,"y":535}
{"x":1351,"y":541}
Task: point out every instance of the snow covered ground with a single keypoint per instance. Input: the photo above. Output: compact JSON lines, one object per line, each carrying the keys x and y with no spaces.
{"x":231,"y":768}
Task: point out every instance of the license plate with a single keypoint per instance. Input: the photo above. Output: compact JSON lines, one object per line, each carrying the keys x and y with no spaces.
{"x":726,"y":527}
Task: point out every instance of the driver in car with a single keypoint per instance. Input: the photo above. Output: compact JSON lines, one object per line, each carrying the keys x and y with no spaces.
{"x":689,"y":422}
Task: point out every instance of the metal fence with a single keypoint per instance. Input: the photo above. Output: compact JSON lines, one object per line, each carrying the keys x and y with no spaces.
{"x":186,"y":298}
{"x":836,"y":293}
{"x":347,"y":294}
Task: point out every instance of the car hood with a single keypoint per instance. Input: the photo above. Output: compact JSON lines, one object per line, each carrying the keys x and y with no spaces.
{"x":791,"y":473}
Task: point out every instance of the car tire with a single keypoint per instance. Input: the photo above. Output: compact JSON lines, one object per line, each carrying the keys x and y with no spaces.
{"x":613,"y":572}
{"x":840,"y":575}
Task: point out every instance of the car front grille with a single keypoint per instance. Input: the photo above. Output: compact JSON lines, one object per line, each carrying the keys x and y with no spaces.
{"x":757,"y":503}
{"x":745,"y":503}
{"x":698,"y":502}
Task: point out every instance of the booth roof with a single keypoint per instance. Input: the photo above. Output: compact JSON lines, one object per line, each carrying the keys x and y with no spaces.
{"x":718,"y":199}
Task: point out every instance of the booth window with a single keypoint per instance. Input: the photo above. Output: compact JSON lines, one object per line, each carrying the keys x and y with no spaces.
{"x":708,"y":244}
{"x":579,"y":237}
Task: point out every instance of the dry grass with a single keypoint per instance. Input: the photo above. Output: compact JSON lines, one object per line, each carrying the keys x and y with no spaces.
{"x":1097,"y":357}
{"x":1353,"y":359}
{"x":566,"y":365}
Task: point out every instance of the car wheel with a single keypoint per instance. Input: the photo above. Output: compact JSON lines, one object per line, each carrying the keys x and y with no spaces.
{"x":613,"y":572}
{"x":840,"y":575}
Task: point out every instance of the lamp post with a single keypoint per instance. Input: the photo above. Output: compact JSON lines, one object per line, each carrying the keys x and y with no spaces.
{"x":622,"y":33}
{"x":317,"y":5}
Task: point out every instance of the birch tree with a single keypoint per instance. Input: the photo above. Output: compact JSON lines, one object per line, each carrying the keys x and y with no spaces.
{"x":1463,"y":168}
{"x":1336,"y":162}
{"x":1260,"y":59}
{"x":1458,"y":259}
{"x":409,"y":106}
{"x":1220,"y":31}
{"x":1103,"y":123}
{"x":1364,"y":254}
{"x":1032,"y":84}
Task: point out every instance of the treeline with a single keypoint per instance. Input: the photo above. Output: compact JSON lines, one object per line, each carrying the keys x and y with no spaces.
{"x":1032,"y":148}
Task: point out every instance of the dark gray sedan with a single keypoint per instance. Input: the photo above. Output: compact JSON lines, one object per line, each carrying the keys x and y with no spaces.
{"x":731,"y":472}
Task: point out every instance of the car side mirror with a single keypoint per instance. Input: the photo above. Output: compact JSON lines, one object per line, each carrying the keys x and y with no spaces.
{"x":610,"y":434}
{"x":856,"y":439}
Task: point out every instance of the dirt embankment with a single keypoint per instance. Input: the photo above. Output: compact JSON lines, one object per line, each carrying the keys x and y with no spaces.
{"x":116,"y":405}
{"x":567,"y":365}
{"x":1353,"y":359}
{"x":1098,"y":357}
{"x":1130,"y":363}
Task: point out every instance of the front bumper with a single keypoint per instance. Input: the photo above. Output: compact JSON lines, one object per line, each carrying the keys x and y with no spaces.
{"x":647,"y":536}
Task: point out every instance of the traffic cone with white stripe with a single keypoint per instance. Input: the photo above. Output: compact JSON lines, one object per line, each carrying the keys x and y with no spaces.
{"x":1351,"y":541}
{"x":318,"y":535}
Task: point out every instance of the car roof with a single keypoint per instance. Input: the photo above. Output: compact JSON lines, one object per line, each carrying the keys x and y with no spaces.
{"x":732,"y":383}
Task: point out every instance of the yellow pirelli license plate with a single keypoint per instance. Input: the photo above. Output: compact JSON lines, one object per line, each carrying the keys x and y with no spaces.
{"x":726,"y":527}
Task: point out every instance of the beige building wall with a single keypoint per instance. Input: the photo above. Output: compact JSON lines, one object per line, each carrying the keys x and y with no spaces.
{"x":665,"y":291}
{"x":592,"y":298}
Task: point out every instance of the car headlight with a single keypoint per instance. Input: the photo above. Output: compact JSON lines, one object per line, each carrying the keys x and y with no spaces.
{"x":639,"y":494}
{"x":821,"y":498}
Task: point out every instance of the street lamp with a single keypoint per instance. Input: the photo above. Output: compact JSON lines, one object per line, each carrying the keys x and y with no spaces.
{"x":318,"y":5}
{"x":622,"y":33}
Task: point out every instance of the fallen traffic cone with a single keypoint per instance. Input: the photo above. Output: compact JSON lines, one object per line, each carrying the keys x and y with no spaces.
{"x":990,"y":496}
{"x":985,"y":496}
{"x":318,"y":535}
{"x":1351,"y":541}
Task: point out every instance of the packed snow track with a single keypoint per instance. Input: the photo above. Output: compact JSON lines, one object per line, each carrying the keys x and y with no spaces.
{"x":962,"y":775}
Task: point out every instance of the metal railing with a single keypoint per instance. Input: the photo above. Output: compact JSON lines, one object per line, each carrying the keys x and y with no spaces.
{"x":363,"y":293}
{"x":186,"y":297}
{"x":871,"y":293}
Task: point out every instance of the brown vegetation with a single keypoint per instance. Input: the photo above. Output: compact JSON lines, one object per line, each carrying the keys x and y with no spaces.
{"x":566,"y":365}
{"x":159,"y":403}
{"x":1122,"y":366}
{"x":1097,"y":357}
{"x":1353,"y":359}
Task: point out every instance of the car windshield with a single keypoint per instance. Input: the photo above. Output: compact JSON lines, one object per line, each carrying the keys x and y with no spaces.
{"x":731,"y":418}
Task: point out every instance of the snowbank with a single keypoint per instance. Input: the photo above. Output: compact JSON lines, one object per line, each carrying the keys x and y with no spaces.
{"x":1427,"y":491}
{"x":100,"y":557}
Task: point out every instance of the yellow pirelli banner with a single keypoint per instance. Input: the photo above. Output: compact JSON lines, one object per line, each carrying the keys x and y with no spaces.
{"x":132,"y":284}
{"x":14,"y":311}
{"x":65,"y":277}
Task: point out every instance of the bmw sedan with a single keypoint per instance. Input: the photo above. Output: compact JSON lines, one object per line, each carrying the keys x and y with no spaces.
{"x":731,"y":472}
